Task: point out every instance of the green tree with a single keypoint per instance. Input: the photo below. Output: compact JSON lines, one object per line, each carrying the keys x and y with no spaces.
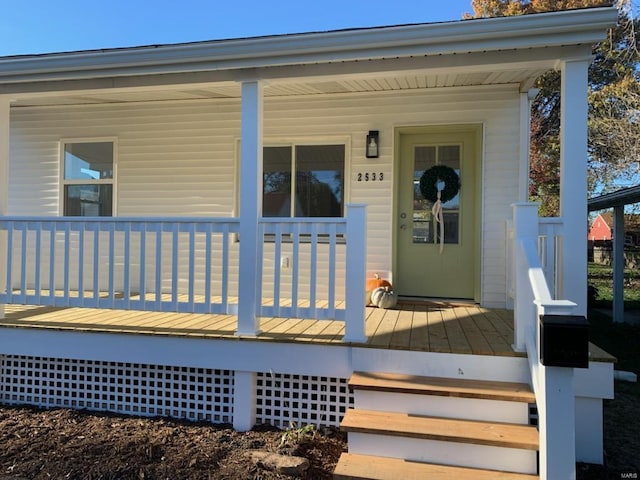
{"x":614,"y":103}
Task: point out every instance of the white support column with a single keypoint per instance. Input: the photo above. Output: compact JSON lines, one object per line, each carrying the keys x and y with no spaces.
{"x":526,"y":98}
{"x":250,"y":207}
{"x":356,"y":273}
{"x":4,"y":187}
{"x":573,"y":181}
{"x":525,"y":225}
{"x":244,"y":401}
{"x":618,"y":263}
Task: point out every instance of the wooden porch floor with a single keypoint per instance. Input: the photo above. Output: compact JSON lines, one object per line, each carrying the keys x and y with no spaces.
{"x":427,"y":327}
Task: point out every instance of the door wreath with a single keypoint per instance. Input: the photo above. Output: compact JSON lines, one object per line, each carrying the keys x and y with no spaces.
{"x":439,"y":173}
{"x":430,"y":190}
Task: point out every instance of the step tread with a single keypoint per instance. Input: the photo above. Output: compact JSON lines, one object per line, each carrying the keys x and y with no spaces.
{"x":496,"y":434}
{"x":449,"y":387}
{"x":355,"y":466}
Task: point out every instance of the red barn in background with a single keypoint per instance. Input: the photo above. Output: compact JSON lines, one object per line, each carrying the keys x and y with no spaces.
{"x":601,"y":228}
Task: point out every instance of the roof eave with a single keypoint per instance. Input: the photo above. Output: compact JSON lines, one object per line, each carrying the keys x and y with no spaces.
{"x":573,"y":27}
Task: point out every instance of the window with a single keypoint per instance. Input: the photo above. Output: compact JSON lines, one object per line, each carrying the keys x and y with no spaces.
{"x":424,"y":229}
{"x":87,"y":179}
{"x":303,"y":181}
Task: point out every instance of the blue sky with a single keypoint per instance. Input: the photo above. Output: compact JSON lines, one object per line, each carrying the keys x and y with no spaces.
{"x":42,"y":26}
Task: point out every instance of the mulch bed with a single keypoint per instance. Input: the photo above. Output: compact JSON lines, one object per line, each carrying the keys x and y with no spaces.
{"x":67,"y":444}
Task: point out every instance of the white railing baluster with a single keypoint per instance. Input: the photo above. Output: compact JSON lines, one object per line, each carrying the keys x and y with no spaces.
{"x":207,"y":269}
{"x":332,"y":271}
{"x":112,"y":262}
{"x":192,"y":266}
{"x":36,"y":282}
{"x":81,"y":265}
{"x":277,"y":269}
{"x":158,"y":266}
{"x":313,"y":267}
{"x":23,"y":264}
{"x":174,"y":266}
{"x":259,"y":269}
{"x":126,"y":267}
{"x":225,"y":269}
{"x":52,"y":262}
{"x":9,"y":271}
{"x":295,"y":267}
{"x":95,"y":229}
{"x":66,"y":288}
{"x":142,"y":277}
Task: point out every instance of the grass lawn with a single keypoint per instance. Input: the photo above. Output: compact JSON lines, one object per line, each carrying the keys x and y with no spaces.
{"x":622,"y":414}
{"x":601,"y":277}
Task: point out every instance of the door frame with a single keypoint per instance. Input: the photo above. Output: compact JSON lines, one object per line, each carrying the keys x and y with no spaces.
{"x":477,"y":129}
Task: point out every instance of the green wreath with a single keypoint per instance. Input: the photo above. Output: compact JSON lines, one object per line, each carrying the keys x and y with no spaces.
{"x":439,"y":173}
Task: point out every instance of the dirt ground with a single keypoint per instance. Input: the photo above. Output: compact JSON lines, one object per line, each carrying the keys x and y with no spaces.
{"x":65,"y":444}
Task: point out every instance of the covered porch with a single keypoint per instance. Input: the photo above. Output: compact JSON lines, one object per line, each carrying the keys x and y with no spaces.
{"x":187,"y":299}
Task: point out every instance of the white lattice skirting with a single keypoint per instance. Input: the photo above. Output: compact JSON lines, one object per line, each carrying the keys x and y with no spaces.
{"x":197,"y":394}
{"x":288,"y":400}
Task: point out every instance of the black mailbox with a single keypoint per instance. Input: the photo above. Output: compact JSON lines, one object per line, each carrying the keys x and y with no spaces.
{"x":564,"y":341}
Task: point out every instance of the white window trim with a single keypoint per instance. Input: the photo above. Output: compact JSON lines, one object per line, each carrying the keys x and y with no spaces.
{"x":300,"y":141}
{"x":109,"y":181}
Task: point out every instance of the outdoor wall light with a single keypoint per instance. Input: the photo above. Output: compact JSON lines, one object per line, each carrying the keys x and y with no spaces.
{"x":373,"y":143}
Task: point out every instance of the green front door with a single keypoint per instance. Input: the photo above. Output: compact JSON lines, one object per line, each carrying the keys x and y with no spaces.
{"x":429,"y":264}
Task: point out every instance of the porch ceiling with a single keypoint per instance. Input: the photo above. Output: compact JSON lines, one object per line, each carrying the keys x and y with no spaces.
{"x":314,"y":86}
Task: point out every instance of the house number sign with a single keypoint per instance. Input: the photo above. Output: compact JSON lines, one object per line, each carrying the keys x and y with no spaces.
{"x":370,"y":176}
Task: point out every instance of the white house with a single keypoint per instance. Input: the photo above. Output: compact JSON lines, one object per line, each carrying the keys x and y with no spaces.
{"x":187,"y":230}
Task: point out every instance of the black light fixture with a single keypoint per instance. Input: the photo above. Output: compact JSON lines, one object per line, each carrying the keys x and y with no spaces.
{"x":373,"y":144}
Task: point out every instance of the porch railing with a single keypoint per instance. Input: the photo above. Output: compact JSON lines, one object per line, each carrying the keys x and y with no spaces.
{"x":553,"y":386}
{"x":549,"y":249}
{"x":293,"y":246}
{"x":187,"y":265}
{"x":159,"y":264}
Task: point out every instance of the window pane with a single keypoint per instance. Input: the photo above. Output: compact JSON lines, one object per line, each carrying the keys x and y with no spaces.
{"x":449,"y":155}
{"x":88,"y":200}
{"x":276,"y":174}
{"x":88,"y":161}
{"x":424,"y":159}
{"x":319,"y":181}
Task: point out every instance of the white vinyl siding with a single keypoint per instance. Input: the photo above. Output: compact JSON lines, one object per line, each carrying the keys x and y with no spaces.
{"x":179,"y":158}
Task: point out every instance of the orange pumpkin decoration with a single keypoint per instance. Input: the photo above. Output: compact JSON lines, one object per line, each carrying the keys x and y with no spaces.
{"x":372,"y":284}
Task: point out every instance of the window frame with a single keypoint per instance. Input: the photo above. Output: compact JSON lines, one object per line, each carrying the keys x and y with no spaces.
{"x":106,"y":181}
{"x":307,"y":142}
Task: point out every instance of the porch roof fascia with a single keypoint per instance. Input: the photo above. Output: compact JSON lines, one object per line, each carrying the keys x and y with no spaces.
{"x":571,"y":27}
{"x":619,"y":198}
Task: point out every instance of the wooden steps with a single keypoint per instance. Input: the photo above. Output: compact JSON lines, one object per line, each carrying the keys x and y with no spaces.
{"x":443,"y":429}
{"x":354,"y":466}
{"x":393,"y":382}
{"x":407,"y":426}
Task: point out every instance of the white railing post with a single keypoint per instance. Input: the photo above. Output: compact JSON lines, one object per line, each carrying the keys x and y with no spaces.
{"x":555,"y":399}
{"x":250,"y":208}
{"x":4,"y":189}
{"x":556,"y":420}
{"x":356,"y":273}
{"x":525,"y":225}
